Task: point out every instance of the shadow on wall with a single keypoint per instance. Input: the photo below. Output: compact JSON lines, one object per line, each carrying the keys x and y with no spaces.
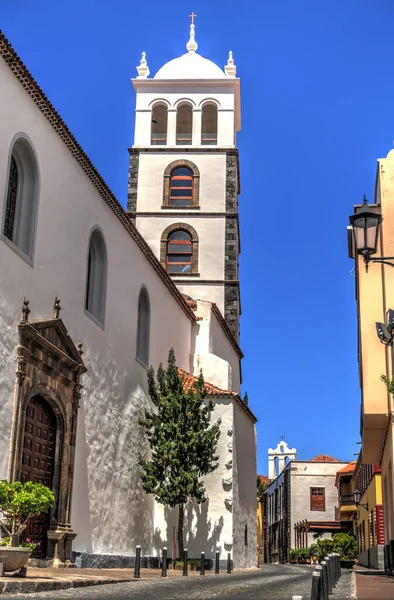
{"x":200,"y":534}
{"x":112,"y":499}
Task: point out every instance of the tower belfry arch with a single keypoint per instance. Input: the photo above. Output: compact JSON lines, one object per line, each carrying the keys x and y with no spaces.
{"x":279,"y":457}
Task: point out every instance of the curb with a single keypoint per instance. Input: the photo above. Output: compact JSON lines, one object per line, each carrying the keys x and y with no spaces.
{"x":29,"y":587}
{"x":353,"y":587}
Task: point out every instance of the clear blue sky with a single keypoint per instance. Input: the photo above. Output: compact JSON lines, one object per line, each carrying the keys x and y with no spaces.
{"x":317,"y":91}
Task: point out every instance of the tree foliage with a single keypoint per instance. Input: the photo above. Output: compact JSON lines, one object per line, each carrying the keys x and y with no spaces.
{"x":261,"y":487}
{"x":182,"y":439}
{"x":19,"y":502}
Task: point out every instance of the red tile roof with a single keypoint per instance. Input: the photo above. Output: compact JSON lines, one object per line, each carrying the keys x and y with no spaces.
{"x":324,"y":458}
{"x":348,"y":468}
{"x":264,"y":478}
{"x":190,"y":380}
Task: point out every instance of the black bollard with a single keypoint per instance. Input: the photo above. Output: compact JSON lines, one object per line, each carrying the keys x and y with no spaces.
{"x":329,"y":582}
{"x":338,"y":563}
{"x":164,"y":565}
{"x":202,"y":569}
{"x":184,"y":563}
{"x":316,"y":585}
{"x":325,"y":579}
{"x":217,"y":563}
{"x":331,"y":571}
{"x":137,"y":565}
{"x":229,"y":563}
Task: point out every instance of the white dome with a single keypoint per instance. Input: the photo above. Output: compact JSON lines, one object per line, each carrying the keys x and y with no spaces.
{"x":190,"y":66}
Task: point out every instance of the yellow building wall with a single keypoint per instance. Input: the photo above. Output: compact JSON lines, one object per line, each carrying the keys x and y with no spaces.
{"x":260,"y":512}
{"x":372,"y":497}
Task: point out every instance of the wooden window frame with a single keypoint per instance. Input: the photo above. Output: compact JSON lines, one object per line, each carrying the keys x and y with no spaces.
{"x":314,"y":504}
{"x":164,"y":241}
{"x":172,"y":244}
{"x":189,"y":202}
{"x":195,"y":186}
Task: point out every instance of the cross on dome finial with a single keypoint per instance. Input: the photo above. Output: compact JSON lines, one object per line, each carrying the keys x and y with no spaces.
{"x":192,"y":45}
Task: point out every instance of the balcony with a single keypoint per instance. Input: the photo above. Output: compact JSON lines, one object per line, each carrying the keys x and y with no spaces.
{"x":346,"y":509}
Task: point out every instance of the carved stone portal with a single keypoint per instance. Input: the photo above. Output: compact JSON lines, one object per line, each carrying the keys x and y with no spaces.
{"x":49,"y":366}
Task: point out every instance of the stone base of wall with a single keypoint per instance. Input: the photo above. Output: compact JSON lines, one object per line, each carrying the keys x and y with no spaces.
{"x":372,"y":558}
{"x":87,"y":560}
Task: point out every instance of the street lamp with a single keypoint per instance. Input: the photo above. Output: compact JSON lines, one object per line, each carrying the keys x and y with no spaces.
{"x":357,"y":497}
{"x":365,"y":225}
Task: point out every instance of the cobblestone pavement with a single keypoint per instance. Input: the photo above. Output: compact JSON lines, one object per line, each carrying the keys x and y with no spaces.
{"x":271,"y":582}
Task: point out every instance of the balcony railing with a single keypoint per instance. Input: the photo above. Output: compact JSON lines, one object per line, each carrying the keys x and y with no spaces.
{"x":209,"y":139}
{"x":159,"y":139}
{"x":346,"y":500}
{"x":184,"y":139}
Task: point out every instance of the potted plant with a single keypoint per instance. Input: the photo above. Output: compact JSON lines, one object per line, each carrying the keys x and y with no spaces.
{"x":293,"y":556}
{"x":346,"y":546}
{"x":18,"y":503}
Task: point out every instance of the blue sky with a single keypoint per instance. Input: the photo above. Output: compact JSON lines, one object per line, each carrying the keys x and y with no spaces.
{"x":317,"y":95}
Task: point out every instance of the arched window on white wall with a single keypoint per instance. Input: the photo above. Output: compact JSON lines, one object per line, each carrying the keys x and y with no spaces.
{"x":96,"y":277}
{"x":159,"y":125}
{"x":20,"y":210}
{"x":209,"y":129}
{"x":143,"y":327}
{"x":184,"y":125}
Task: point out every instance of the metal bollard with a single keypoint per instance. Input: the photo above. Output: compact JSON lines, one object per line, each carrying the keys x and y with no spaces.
{"x":329,"y":582}
{"x":325,"y":579}
{"x":202,"y":566}
{"x":316,"y":585}
{"x":331,"y":571}
{"x":338,"y":563}
{"x":137,"y":564}
{"x":184,"y":563}
{"x":217,"y":563}
{"x":229,"y":563}
{"x":164,"y":565}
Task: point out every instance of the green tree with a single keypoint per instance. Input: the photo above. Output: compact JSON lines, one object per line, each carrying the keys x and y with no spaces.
{"x":182,"y":439}
{"x":261,"y":487}
{"x":20,"y":502}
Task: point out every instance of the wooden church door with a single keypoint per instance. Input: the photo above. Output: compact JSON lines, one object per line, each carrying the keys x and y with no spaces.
{"x":38,"y":462}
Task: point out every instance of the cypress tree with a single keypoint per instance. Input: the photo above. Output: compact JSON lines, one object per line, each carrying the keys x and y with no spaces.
{"x":182,"y":440}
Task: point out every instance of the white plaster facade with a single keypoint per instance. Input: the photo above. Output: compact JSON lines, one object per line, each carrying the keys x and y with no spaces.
{"x":111,"y":513}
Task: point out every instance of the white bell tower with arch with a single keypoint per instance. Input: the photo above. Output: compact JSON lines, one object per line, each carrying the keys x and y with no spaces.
{"x":279,"y":457}
{"x":187,"y":116}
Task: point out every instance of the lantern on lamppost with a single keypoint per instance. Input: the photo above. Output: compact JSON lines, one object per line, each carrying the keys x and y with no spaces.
{"x":366,"y":224}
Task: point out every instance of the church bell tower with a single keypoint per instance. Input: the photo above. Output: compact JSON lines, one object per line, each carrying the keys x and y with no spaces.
{"x":184,"y":174}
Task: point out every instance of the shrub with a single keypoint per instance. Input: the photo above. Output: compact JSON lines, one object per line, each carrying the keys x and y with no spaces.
{"x":346,"y":546}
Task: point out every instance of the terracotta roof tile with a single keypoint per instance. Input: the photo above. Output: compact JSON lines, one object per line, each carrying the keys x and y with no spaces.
{"x":348,"y":468}
{"x":264,"y":478}
{"x":190,"y":380}
{"x":324,"y":458}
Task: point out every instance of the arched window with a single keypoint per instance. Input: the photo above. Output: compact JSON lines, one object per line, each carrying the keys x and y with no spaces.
{"x":179,"y":249}
{"x":159,"y":125}
{"x":179,"y":252}
{"x":209,"y":130}
{"x":20,"y":209}
{"x":143,"y":328}
{"x":96,"y":277}
{"x":181,"y":187}
{"x":181,"y":184}
{"x":184,"y":120}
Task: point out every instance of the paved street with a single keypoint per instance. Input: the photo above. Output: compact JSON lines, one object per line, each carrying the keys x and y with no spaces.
{"x":272,"y":582}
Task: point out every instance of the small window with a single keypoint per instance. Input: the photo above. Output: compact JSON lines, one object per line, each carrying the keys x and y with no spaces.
{"x":21,"y":198}
{"x":181,"y":187}
{"x":318,"y":501}
{"x":184,"y":121}
{"x":209,"y":131}
{"x":96,"y":277}
{"x":179,"y":252}
{"x":159,"y":125}
{"x":143,"y":327}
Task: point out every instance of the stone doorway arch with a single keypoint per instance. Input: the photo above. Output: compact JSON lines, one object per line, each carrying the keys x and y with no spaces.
{"x":48,"y":387}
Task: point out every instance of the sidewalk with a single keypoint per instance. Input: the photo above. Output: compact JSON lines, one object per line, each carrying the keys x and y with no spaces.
{"x":373,"y":585}
{"x":44,"y":580}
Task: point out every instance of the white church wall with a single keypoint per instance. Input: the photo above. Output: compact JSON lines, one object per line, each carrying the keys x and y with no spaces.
{"x":244,"y":490}
{"x":111,"y":513}
{"x":222,"y":347}
{"x":212,"y":169}
{"x":211,"y":293}
{"x":305,"y":475}
{"x":208,"y":526}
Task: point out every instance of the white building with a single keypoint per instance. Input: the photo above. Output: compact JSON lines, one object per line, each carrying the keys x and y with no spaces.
{"x":69,"y":412}
{"x":300,"y":501}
